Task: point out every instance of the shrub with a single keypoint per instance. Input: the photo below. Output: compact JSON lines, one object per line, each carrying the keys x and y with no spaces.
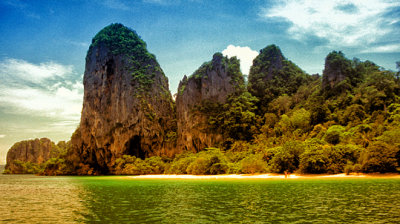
{"x":348,"y":168}
{"x":357,"y":168}
{"x":209,"y":162}
{"x":379,"y":157}
{"x":286,"y":157}
{"x":339,"y":156}
{"x":181,"y":162}
{"x":314,"y":159}
{"x":20,"y":167}
{"x":56,"y":166}
{"x":253,"y":164}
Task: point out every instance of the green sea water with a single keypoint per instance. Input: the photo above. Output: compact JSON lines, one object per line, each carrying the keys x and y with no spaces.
{"x":35,"y":199}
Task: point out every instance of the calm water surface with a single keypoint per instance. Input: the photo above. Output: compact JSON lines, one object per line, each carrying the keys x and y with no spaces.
{"x":33,"y":199}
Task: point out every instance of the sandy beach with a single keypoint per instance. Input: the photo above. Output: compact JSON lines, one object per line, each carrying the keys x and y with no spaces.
{"x":265,"y":176}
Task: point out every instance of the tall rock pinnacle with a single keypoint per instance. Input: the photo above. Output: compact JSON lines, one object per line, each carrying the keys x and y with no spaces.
{"x":127,"y":106}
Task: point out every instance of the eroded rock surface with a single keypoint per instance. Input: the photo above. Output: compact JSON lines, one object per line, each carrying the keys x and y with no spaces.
{"x":127,"y":106}
{"x":213,"y":82}
{"x":337,"y":68}
{"x":36,"y":151}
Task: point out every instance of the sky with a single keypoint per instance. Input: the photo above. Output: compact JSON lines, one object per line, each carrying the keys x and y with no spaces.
{"x":44,"y":44}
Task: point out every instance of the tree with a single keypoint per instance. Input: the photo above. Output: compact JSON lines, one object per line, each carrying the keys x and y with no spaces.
{"x":334,"y":133}
{"x":253,"y":164}
{"x":314,"y":159}
{"x":211,"y":162}
{"x":237,"y":119}
{"x":286,"y":157}
{"x":379,"y":157}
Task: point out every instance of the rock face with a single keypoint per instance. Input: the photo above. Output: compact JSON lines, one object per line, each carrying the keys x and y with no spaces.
{"x":272,"y":75}
{"x":337,"y":68}
{"x":213,"y":82}
{"x":127,"y":106}
{"x":268,"y":62}
{"x":35,"y":151}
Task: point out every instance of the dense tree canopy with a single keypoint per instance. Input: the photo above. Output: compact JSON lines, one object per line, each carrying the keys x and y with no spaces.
{"x":272,"y":75}
{"x":346,"y":121}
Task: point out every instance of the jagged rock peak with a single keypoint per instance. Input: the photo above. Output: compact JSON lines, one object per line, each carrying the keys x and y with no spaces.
{"x":272,"y":75}
{"x":210,"y":78}
{"x":269,"y":60}
{"x":337,"y":68}
{"x":127,"y":106}
{"x":212,"y":83}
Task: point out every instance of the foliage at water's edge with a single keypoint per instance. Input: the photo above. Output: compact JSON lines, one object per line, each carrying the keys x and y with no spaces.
{"x":284,"y":120}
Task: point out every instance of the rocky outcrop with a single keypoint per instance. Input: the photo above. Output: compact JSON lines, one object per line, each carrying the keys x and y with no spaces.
{"x":36,"y":151}
{"x":268,"y":63}
{"x":212,"y":83}
{"x":272,"y":75}
{"x":337,"y":68}
{"x":127,"y":106}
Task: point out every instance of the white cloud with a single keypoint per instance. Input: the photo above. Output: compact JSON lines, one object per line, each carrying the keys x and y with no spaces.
{"x":63,"y":102}
{"x":20,"y":69}
{"x":2,"y":136}
{"x":390,"y":48}
{"x":245,"y":54}
{"x":56,"y":99}
{"x":343,"y":23}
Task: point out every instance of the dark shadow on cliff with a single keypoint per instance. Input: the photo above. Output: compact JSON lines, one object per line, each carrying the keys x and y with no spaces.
{"x":133,"y":147}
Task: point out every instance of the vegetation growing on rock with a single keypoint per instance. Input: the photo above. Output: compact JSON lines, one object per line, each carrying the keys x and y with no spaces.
{"x":32,"y":156}
{"x":201,"y":99}
{"x":311,"y":126}
{"x":127,"y":108}
{"x":122,"y":40}
{"x":272,"y":75}
{"x":284,"y":120}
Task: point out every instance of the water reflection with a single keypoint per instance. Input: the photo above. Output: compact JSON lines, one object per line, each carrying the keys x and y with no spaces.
{"x":31,"y":199}
{"x":248,"y":201}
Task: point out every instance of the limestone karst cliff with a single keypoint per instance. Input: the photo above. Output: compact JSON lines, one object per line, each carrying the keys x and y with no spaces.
{"x":272,"y":75}
{"x":127,"y":106}
{"x":212,"y":83}
{"x":36,"y":151}
{"x":337,"y":68}
{"x":283,"y":120}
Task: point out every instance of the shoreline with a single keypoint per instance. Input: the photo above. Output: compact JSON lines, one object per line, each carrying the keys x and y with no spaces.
{"x":265,"y":176}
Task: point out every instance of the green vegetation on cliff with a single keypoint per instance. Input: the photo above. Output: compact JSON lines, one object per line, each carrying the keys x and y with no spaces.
{"x":313,"y":128}
{"x":121,"y":40}
{"x":284,"y":120}
{"x":272,"y":76}
{"x":307,"y":124}
{"x":33,"y":156}
{"x":235,"y":118}
{"x":351,"y":124}
{"x":230,"y":65}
